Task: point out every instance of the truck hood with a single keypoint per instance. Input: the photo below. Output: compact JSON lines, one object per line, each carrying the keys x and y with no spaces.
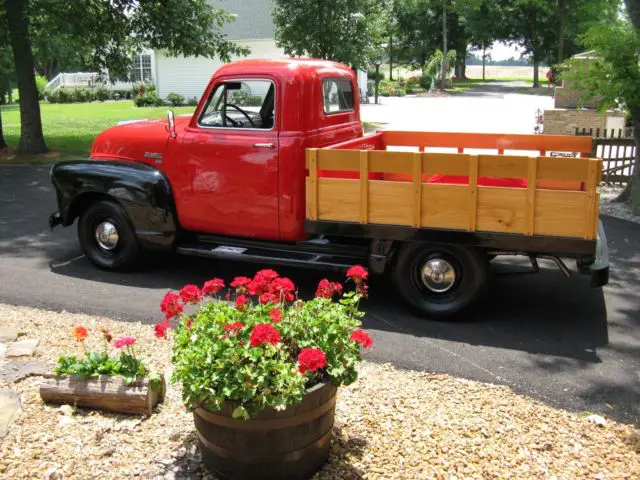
{"x":135,"y":140}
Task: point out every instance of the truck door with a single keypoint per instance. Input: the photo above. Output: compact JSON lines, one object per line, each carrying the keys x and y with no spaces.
{"x":225,"y":177}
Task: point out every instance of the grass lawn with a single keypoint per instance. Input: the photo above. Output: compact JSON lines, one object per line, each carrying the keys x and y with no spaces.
{"x":69,"y":129}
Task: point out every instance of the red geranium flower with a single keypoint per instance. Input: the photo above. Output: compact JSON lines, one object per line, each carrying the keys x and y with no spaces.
{"x":264,"y":333}
{"x":240,"y":282}
{"x":106,"y":334}
{"x":188,"y":324}
{"x":171,"y":305}
{"x":241,"y":301}
{"x":79,"y":333}
{"x":357,"y":273}
{"x":233,"y":327}
{"x":262,"y":281}
{"x":311,"y":359}
{"x":361,"y":337}
{"x":283,"y":288}
{"x":211,"y":287}
{"x":124,"y":342}
{"x":160,"y":329}
{"x":275,"y":315}
{"x":267,"y":298}
{"x":190,"y":294}
{"x":327,"y":289}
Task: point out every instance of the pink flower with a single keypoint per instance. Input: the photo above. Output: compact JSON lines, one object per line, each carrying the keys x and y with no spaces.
{"x":160,"y":329}
{"x":124,"y":342}
{"x":211,"y":287}
{"x":190,"y":294}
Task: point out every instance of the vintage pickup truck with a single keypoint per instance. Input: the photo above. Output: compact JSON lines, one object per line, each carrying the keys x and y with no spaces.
{"x":273,"y":167}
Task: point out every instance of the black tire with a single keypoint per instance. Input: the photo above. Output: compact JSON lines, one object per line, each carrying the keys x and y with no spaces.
{"x":469,"y":265}
{"x":125,"y":254}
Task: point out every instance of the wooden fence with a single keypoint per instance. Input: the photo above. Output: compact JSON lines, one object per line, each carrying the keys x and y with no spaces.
{"x":617,"y":150}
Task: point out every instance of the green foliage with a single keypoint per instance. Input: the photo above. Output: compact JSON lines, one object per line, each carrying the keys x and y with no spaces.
{"x":426,"y":80}
{"x":140,"y":88}
{"x":41,"y":85}
{"x":175,"y":99}
{"x":192,"y":102}
{"x":125,"y":365}
{"x":436,"y":63}
{"x":371,"y":75}
{"x":347,"y":32}
{"x":148,"y":99}
{"x":120,"y":94}
{"x":215,"y":364}
{"x":101,"y":93}
{"x":80,"y":95}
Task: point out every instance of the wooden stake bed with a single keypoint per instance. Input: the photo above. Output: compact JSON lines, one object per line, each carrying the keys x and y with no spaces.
{"x":361,"y":181}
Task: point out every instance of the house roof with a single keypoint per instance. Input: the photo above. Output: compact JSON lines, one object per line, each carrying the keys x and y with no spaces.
{"x":253,"y":20}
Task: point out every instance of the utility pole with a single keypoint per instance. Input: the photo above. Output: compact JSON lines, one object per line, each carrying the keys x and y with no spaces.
{"x":443,"y":74}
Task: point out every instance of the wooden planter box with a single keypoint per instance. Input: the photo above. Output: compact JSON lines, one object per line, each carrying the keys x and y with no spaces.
{"x":104,"y":393}
{"x":288,"y":444}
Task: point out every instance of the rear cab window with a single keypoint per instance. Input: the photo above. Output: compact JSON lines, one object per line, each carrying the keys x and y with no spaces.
{"x":337,"y":94}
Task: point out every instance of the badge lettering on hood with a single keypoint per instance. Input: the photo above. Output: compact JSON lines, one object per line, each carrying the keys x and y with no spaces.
{"x":157,"y":156}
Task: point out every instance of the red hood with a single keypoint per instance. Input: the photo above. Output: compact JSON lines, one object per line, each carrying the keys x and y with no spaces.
{"x":137,"y":140}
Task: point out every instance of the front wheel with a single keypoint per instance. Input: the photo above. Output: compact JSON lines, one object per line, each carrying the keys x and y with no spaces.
{"x":439,"y":281}
{"x":107,"y":237}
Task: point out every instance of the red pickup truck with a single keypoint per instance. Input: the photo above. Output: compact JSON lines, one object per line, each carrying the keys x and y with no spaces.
{"x":273,"y":167}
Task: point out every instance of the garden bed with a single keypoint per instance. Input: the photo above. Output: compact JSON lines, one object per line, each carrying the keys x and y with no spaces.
{"x":391,"y":423}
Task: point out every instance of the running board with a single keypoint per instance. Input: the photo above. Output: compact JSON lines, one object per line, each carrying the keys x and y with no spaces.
{"x":292,"y":255}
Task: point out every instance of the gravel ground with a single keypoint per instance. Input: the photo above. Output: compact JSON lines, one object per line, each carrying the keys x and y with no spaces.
{"x":391,"y":424}
{"x":615,"y":209}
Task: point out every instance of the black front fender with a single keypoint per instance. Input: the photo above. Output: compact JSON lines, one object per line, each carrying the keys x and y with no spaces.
{"x":142,"y":190}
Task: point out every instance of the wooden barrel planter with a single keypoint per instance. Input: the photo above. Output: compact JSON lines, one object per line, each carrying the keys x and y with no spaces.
{"x":288,"y":444}
{"x":104,"y":392}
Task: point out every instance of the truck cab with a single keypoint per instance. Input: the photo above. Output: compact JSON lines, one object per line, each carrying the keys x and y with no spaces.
{"x":273,"y":167}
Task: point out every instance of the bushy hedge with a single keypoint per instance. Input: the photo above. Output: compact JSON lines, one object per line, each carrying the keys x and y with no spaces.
{"x":80,"y":95}
{"x":390,"y":89}
{"x":175,"y":99}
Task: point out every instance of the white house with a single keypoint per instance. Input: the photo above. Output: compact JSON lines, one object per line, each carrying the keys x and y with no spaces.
{"x":188,"y":76}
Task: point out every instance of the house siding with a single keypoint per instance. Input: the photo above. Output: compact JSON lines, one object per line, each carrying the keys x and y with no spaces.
{"x":189,"y":76}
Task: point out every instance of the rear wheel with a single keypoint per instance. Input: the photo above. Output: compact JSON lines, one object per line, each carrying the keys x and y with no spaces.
{"x":107,"y":237}
{"x":439,"y":281}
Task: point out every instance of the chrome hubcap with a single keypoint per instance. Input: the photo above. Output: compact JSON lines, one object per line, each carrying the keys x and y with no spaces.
{"x":107,"y":235}
{"x":438,"y":275}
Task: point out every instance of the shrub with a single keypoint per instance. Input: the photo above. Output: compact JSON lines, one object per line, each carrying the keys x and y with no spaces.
{"x":101,"y":93}
{"x":400,"y":92}
{"x":148,"y":99}
{"x":425,"y":80}
{"x":192,"y":102}
{"x":120,"y":94}
{"x":41,"y":85}
{"x":175,"y":99}
{"x":371,"y":75}
{"x":264,"y":347}
{"x":60,"y":95}
{"x":140,"y":88}
{"x":80,"y":95}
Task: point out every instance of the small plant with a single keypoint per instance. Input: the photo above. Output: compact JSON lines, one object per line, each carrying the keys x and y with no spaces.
{"x":142,"y":88}
{"x":175,"y":99}
{"x":41,"y":85}
{"x":101,"y":93}
{"x":81,"y":95}
{"x":261,"y":346}
{"x":125,"y":364}
{"x":148,"y":99}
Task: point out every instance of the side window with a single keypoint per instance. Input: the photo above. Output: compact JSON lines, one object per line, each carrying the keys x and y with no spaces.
{"x":337,"y":95}
{"x":240,"y":104}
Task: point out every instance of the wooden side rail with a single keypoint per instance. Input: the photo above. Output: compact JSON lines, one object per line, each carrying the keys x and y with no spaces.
{"x":533,"y":210}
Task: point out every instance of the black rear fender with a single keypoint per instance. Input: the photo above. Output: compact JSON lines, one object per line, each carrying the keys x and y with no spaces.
{"x":142,"y":190}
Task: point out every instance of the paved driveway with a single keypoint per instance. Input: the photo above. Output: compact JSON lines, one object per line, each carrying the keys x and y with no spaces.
{"x":545,"y":336}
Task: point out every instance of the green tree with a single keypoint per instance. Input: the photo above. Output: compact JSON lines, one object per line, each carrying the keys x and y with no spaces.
{"x":339,"y":30}
{"x":482,"y":20}
{"x":114,"y":31}
{"x":613,"y":77}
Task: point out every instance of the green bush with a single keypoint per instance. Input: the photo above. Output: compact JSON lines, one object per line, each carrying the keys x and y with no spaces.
{"x":80,"y":95}
{"x":175,"y":99}
{"x":61,"y":95}
{"x":41,"y":85}
{"x":192,"y":102}
{"x":141,"y":88}
{"x":371,"y":75}
{"x":400,"y":92}
{"x":148,"y":99}
{"x":120,"y":94}
{"x":425,"y":81}
{"x":101,"y":93}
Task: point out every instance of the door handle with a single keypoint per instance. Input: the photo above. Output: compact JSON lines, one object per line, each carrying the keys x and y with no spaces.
{"x":270,"y":146}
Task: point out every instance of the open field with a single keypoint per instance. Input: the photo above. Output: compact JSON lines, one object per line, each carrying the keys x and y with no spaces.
{"x":501,"y":72}
{"x":69,"y":129}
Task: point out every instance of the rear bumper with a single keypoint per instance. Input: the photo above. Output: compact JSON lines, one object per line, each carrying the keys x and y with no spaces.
{"x":599,"y":269}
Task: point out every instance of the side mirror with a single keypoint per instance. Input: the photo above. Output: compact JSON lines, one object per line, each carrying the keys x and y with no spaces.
{"x":171,"y":124}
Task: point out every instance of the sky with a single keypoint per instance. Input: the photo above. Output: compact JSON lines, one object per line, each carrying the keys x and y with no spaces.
{"x":502,"y":51}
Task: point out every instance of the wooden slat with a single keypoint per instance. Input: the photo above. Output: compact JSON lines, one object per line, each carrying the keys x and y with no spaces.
{"x":390,"y":203}
{"x":559,"y":168}
{"x":473,"y":191}
{"x":445,"y":206}
{"x":445,"y":163}
{"x":339,"y":199}
{"x":312,"y":185}
{"x":390,"y":162}
{"x":531,"y":195}
{"x":364,"y":186}
{"x":502,"y":166}
{"x":560,"y":213}
{"x":501,"y":209}
{"x":591,"y":187}
{"x":347,"y":160}
{"x":417,"y":189}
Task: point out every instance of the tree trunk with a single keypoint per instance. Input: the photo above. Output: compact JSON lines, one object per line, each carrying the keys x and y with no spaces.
{"x":31,"y":136}
{"x":536,"y":74}
{"x":443,"y":74}
{"x":484,"y":61}
{"x":3,"y":144}
{"x":563,"y":12}
{"x":390,"y":57}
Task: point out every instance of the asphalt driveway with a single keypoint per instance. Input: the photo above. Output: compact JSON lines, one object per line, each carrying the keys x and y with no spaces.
{"x":551,"y":338}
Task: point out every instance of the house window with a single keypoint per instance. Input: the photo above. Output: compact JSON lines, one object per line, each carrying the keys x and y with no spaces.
{"x":142,"y":69}
{"x":337,"y":95}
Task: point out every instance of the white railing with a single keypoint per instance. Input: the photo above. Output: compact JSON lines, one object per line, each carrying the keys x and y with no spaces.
{"x":78,"y":79}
